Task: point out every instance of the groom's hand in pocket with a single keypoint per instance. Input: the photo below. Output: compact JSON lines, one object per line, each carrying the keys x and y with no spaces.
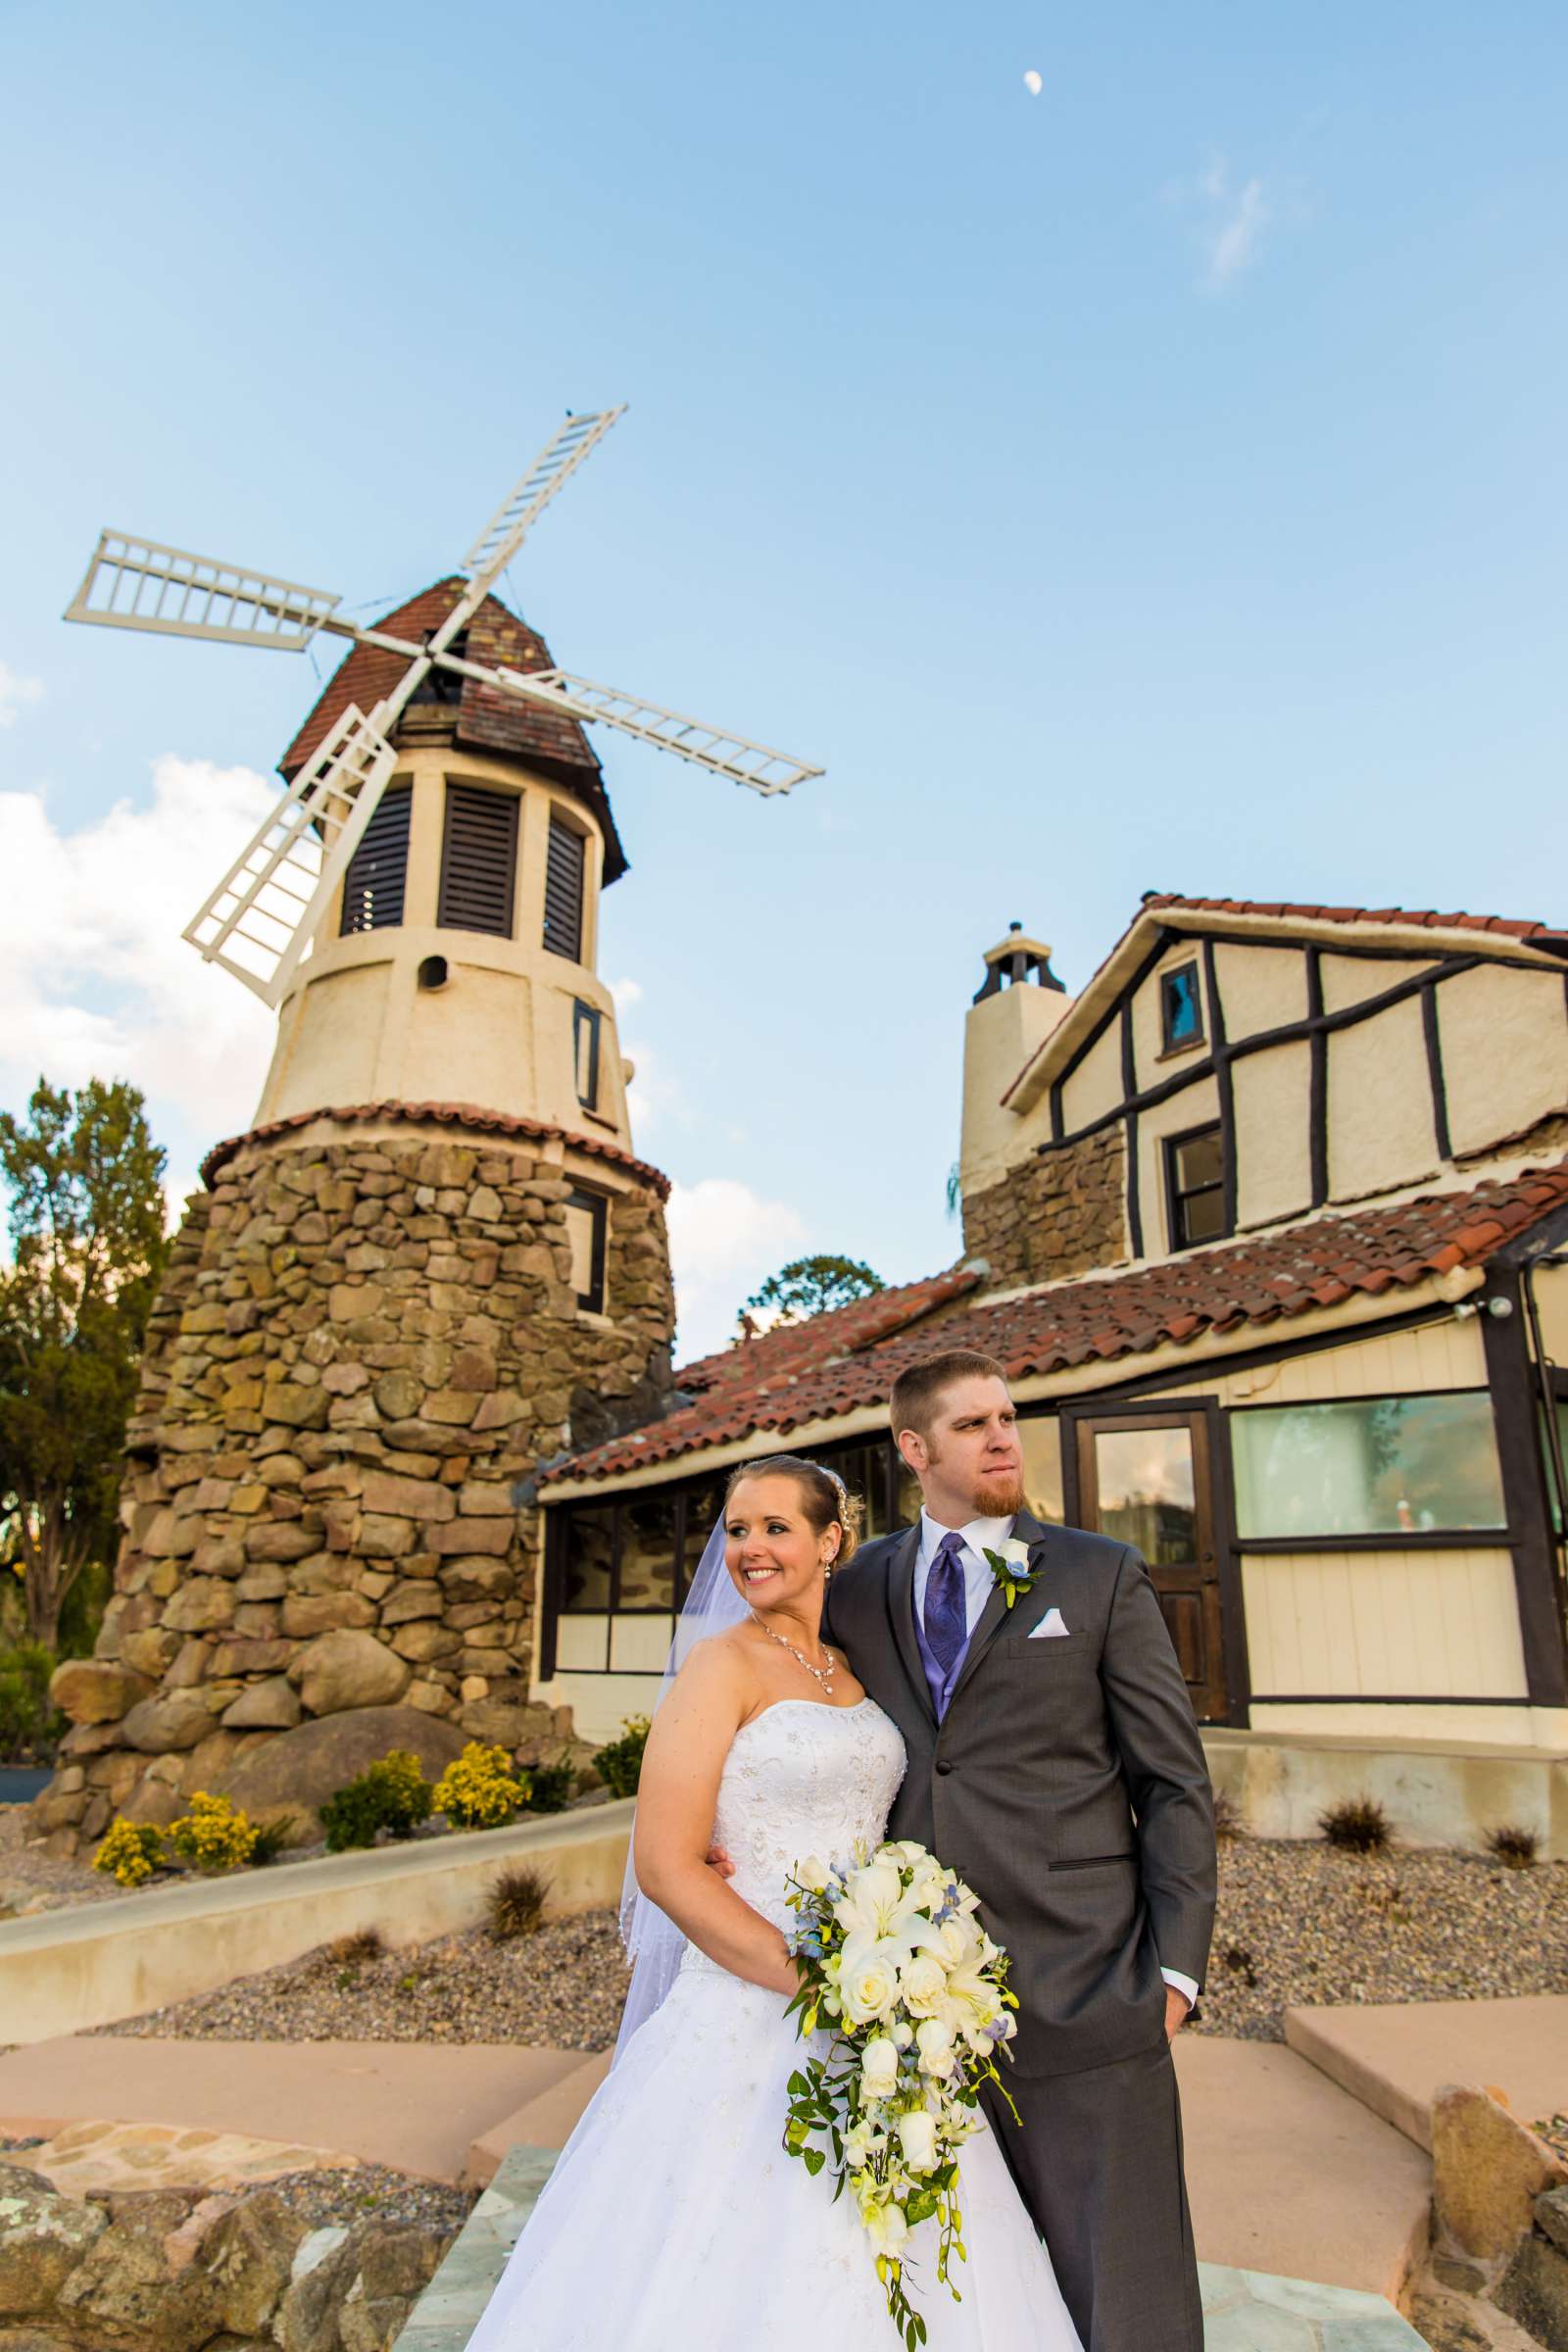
{"x":718,"y":1860}
{"x":1177,"y":2008}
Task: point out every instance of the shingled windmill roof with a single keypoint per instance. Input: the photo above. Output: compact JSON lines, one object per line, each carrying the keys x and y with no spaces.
{"x":482,"y":718}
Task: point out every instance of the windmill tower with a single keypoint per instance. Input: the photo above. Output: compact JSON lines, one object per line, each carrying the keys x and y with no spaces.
{"x":433,"y":1261}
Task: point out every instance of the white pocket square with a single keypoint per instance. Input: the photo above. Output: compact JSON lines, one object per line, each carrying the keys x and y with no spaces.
{"x":1051,"y":1623}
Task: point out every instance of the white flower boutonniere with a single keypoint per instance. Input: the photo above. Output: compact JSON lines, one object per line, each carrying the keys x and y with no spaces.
{"x":1012,"y":1570}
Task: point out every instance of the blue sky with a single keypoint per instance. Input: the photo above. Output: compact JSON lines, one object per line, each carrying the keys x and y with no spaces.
{"x":1156,"y":482}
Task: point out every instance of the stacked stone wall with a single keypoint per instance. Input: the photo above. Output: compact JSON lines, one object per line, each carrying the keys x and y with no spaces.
{"x":361,"y":1352}
{"x":1061,"y":1211}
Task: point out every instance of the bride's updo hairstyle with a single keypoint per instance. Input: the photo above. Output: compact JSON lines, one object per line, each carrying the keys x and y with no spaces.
{"x":826,"y":1500}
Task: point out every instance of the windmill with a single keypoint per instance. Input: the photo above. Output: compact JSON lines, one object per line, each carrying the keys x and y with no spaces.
{"x":260,"y":919}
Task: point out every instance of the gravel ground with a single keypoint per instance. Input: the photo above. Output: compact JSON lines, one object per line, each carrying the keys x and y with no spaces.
{"x":370,"y":2192}
{"x":32,"y":1881}
{"x":563,"y":1986}
{"x":1300,"y":1922}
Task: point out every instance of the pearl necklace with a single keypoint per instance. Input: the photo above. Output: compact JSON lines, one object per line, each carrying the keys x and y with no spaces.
{"x":821,"y":1674}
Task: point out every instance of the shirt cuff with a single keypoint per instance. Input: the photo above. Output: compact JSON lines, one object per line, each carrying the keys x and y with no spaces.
{"x":1184,"y":1986}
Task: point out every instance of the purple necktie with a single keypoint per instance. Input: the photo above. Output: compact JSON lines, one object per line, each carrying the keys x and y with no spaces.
{"x":947,"y":1615}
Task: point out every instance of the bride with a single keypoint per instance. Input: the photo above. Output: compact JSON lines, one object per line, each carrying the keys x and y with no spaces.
{"x":673,"y":2216}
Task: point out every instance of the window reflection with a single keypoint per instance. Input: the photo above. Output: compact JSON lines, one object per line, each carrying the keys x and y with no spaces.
{"x":647,"y":1577}
{"x":1146,"y":1492}
{"x":1388,"y":1465}
{"x":590,"y":1551}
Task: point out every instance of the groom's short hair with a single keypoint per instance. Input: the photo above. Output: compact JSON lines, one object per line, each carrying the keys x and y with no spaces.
{"x":917,"y":1393}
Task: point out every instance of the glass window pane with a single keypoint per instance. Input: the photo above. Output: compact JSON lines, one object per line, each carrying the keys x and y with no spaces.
{"x":1203,"y":1216}
{"x":1042,"y":1468}
{"x":590,"y":1547}
{"x":1392,"y":1465}
{"x":1182,"y":1006}
{"x":703,"y":1506}
{"x":648,"y":1554}
{"x":1199,"y":1160}
{"x":1146,"y":1494}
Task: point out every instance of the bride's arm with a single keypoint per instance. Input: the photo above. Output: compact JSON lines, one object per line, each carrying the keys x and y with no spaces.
{"x":677,"y":1796}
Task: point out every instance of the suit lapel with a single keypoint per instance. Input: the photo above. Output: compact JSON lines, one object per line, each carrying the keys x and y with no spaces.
{"x":900,"y":1610}
{"x":1025,"y":1610}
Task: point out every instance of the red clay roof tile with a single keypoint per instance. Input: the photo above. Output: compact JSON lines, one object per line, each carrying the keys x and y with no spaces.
{"x":836,"y":1364}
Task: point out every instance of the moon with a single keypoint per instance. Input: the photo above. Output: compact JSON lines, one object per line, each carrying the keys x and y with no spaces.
{"x":1032,"y":82}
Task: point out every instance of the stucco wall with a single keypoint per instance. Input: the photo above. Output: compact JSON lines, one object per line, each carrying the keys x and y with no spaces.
{"x":1380,"y":1105}
{"x":1504,"y":1042}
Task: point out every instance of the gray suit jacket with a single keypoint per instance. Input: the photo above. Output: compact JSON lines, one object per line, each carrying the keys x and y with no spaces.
{"x":1066,"y":1784}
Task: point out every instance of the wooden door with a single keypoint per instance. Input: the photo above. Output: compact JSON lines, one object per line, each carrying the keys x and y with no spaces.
{"x":1146,"y":1479}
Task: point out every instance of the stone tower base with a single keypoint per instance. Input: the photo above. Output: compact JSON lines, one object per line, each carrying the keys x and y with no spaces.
{"x":366,"y":1344}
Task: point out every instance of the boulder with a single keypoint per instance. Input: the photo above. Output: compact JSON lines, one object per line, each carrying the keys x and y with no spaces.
{"x":129,"y":2291}
{"x":153,"y":1801}
{"x":247,"y":2254}
{"x":1534,"y":2290}
{"x":298,"y":1771}
{"x":1487,"y":2170}
{"x":177,"y":1719}
{"x":97,"y":1689}
{"x":43,"y":2240}
{"x":269,"y":1706}
{"x":348,"y":1668}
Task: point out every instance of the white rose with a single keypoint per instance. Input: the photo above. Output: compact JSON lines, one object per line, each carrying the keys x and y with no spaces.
{"x":812,"y":1874}
{"x":922,"y":1984}
{"x":1014,"y":1553}
{"x":879,"y":2066}
{"x":958,"y":1938}
{"x":868,"y":1982}
{"x":917,"y":2138}
{"x":933,"y":2039}
{"x":902,"y":2034}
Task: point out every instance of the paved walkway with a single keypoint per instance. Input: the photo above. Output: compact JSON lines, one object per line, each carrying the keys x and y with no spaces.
{"x":1288,"y":2173}
{"x":1393,"y":2055}
{"x":1242,"y":2310}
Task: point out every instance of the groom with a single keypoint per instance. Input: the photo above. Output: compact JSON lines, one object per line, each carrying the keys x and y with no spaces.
{"x":1056,"y":1765}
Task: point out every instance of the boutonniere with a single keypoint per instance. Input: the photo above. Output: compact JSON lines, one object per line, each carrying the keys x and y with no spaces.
{"x":1012,"y":1570}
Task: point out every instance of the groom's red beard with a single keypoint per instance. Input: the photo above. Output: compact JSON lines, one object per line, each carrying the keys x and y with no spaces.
{"x":1000,"y":1497}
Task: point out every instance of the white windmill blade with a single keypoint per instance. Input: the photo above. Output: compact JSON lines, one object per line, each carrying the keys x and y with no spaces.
{"x":259,"y":920}
{"x":517,"y":515}
{"x":733,"y":755}
{"x":135,"y":583}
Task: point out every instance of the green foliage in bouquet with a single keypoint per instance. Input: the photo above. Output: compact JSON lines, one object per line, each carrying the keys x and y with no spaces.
{"x":619,"y":1765}
{"x":391,"y":1794}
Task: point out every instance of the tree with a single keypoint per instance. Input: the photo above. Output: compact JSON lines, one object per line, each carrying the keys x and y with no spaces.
{"x":87,"y":1218}
{"x":813,"y":1286}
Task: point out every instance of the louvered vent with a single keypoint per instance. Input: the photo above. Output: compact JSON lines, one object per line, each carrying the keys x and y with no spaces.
{"x":564,"y":883}
{"x":372,"y":887}
{"x":478,"y":860}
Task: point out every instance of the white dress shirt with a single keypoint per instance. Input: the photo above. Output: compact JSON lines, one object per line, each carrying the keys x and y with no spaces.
{"x":978,"y":1584}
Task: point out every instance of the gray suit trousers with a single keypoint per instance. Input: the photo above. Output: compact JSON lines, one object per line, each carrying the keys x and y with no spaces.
{"x":1099,"y":2164}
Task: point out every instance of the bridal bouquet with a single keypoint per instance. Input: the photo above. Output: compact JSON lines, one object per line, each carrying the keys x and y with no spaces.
{"x":894,"y":1959}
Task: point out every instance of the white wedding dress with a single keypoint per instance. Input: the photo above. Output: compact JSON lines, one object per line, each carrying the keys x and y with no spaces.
{"x":673,"y":2218}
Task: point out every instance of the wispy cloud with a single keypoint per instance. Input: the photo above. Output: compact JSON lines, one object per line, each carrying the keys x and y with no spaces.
{"x":724,"y":1240}
{"x":16,"y":693}
{"x":1231,"y":217}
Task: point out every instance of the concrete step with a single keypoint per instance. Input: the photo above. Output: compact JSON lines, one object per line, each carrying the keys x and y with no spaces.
{"x":1290,"y":2175}
{"x":1393,"y":2055}
{"x":548,"y":2120}
{"x":416,"y":2106}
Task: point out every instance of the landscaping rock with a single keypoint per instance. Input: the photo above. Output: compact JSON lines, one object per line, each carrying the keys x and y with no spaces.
{"x":43,"y":2240}
{"x":178,"y":1720}
{"x":247,"y":2254}
{"x":273,"y":1705}
{"x":300,"y":1769}
{"x":1487,"y":2170}
{"x":1534,"y":2290}
{"x":346,"y":1669}
{"x":129,"y":2293}
{"x":1551,"y":2215}
{"x":97,"y":1689}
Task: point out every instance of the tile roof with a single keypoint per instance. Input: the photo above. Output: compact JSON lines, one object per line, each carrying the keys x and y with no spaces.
{"x":483,"y":719}
{"x":834,"y":1364}
{"x":1550,"y":936}
{"x":467,"y":1115}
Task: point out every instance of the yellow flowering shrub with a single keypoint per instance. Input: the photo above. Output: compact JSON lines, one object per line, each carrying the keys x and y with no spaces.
{"x":212,"y":1836}
{"x":130,"y":1851}
{"x":481,"y":1790}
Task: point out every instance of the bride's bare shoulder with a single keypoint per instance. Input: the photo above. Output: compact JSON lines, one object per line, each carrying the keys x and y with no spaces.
{"x":720,"y":1674}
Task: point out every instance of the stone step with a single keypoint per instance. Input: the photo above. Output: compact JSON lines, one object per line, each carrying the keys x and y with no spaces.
{"x":1392,"y":2056}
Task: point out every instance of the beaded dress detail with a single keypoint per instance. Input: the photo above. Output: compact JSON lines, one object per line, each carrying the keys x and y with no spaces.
{"x":673,"y":2216}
